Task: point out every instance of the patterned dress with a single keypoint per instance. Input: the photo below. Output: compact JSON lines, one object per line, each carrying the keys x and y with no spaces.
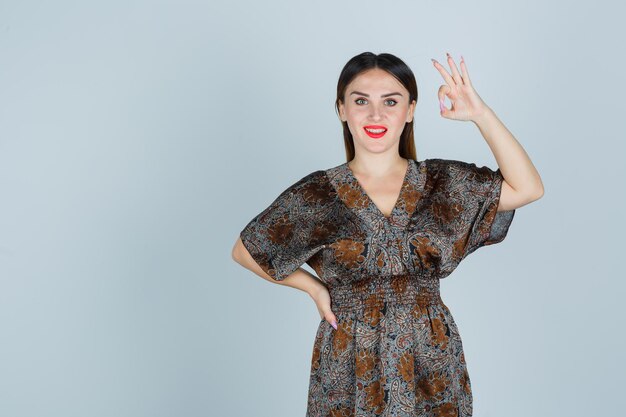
{"x":397,"y":351}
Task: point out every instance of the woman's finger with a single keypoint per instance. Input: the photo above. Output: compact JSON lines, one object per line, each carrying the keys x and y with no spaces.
{"x":455,"y":72}
{"x":441,"y":94}
{"x":331,"y":318}
{"x":447,"y":78}
{"x":466,"y":77}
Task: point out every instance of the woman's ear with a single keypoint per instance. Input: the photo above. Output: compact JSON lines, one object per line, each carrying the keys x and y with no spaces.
{"x":411,"y":112}
{"x":341,"y":110}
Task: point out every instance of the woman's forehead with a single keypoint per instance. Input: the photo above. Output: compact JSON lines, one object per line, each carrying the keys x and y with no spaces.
{"x":374,"y":80}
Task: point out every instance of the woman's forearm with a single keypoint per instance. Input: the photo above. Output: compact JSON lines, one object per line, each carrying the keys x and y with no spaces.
{"x":515,"y":165}
{"x":301,"y":280}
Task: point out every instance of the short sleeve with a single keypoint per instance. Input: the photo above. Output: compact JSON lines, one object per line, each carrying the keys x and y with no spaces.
{"x":477,"y":191}
{"x":279,"y":237}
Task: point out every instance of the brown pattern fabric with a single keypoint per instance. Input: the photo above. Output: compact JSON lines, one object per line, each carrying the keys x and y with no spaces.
{"x":397,"y":350}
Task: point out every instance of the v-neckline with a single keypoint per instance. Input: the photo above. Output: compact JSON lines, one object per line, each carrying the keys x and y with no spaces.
{"x":369,"y":199}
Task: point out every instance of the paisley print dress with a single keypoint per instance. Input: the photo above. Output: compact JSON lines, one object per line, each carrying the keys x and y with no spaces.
{"x":397,"y":350}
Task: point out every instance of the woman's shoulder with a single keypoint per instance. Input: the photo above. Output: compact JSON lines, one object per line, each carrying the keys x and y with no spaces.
{"x":314,"y":177}
{"x":443,"y":163}
{"x":453,"y":166}
{"x":311,"y":187}
{"x":462,"y":176}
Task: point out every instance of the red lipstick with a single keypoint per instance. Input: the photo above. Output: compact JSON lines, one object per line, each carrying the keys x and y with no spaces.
{"x":378,"y":133}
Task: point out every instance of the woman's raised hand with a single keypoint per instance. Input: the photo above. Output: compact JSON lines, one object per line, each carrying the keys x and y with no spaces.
{"x":466,"y":103}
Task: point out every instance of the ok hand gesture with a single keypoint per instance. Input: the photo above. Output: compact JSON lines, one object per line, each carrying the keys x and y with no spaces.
{"x":466,"y":103}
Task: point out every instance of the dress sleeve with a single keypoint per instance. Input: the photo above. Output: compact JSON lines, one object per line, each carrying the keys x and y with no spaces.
{"x":279,"y":238}
{"x":477,"y":191}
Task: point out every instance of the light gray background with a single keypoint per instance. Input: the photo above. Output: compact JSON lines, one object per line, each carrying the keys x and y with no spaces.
{"x":138,"y":138}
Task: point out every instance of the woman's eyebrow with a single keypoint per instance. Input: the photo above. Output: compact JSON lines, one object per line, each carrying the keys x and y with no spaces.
{"x":384,"y":95}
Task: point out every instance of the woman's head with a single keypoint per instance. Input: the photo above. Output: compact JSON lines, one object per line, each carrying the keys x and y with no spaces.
{"x":365,"y":97}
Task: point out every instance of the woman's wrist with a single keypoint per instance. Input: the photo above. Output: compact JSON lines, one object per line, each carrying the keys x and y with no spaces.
{"x":484,"y":116}
{"x":303,"y":280}
{"x":316,"y":287}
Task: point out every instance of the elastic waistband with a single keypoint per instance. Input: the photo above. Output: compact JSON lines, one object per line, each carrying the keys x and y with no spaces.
{"x":378,"y":290}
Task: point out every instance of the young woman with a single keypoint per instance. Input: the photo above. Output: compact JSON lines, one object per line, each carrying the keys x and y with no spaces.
{"x":380,"y":231}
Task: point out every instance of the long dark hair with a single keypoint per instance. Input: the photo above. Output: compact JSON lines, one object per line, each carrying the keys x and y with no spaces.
{"x":394,"y":66}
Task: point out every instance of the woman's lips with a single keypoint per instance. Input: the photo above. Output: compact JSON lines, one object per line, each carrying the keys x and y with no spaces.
{"x":379,"y":131}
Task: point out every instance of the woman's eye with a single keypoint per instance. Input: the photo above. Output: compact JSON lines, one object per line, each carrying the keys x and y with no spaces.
{"x":359,"y":100}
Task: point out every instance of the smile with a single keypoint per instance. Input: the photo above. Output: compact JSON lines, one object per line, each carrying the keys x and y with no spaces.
{"x":375,"y":131}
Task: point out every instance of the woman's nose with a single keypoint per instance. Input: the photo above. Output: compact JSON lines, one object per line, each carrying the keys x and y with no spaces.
{"x":375,"y":112}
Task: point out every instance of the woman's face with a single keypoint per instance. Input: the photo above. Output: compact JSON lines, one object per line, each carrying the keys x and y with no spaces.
{"x":375,"y":100}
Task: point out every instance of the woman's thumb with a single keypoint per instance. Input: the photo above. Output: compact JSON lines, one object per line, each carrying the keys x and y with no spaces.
{"x":441,"y":93}
{"x":332,"y":319}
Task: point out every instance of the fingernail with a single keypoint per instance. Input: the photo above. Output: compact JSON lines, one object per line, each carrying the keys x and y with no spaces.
{"x":448,"y":54}
{"x":334,"y":324}
{"x":441,"y":105}
{"x":462,"y":58}
{"x":432,"y":59}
